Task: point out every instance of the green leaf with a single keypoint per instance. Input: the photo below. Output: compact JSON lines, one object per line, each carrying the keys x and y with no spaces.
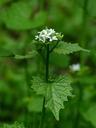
{"x":39,"y":86}
{"x":67,"y":48}
{"x":55,"y":93}
{"x":19,"y":16}
{"x":28,"y":56}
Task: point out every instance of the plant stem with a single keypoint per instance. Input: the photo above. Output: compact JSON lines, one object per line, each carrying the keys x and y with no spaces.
{"x":47,"y":62}
{"x":46,"y":78}
{"x":43,"y":114}
{"x":53,"y":47}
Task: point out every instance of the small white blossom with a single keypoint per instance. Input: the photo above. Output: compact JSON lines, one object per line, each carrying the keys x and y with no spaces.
{"x":75,"y":67}
{"x":36,"y":37}
{"x":47,"y":35}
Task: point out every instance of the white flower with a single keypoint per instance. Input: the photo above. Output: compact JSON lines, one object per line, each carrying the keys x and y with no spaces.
{"x":36,"y":37}
{"x":75,"y":67}
{"x":47,"y":35}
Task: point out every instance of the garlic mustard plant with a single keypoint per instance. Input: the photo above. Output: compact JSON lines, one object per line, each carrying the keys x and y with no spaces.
{"x":57,"y":90}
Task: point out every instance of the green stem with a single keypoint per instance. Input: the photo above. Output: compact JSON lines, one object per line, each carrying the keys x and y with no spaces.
{"x":53,"y":47}
{"x":46,"y":78}
{"x":47,"y":62}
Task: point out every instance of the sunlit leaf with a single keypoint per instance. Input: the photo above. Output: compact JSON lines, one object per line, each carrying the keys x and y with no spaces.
{"x":55,"y":93}
{"x":67,"y":48}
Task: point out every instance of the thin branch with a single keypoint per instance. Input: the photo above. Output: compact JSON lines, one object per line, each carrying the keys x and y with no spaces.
{"x":51,"y":50}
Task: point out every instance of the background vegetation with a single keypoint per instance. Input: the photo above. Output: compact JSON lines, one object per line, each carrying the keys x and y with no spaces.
{"x":19,"y":21}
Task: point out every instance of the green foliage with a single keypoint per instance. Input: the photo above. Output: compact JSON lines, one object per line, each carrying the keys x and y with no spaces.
{"x":55,"y":93}
{"x":33,"y":102}
{"x":67,"y":48}
{"x":18,"y":16}
{"x":90,"y":114}
{"x":15,"y":125}
{"x":92,"y":8}
{"x":28,"y":56}
{"x":39,"y":86}
{"x":2,"y":2}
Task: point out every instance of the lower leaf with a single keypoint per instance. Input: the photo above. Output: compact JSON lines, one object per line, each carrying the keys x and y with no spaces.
{"x":55,"y":93}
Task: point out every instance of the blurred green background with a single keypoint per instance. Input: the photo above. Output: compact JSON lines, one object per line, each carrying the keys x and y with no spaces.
{"x":19,"y":22}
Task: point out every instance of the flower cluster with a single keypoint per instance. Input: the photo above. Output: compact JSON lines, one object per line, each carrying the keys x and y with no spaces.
{"x":47,"y":35}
